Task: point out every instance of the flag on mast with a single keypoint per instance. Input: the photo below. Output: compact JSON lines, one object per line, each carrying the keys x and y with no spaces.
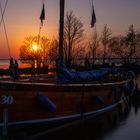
{"x":42,"y":15}
{"x":93,"y":18}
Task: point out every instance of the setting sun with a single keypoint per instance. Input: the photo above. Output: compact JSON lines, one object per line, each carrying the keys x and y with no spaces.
{"x":35,"y":47}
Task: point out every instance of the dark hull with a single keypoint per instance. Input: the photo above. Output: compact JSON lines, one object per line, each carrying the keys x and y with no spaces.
{"x":21,"y":104}
{"x":89,"y":127}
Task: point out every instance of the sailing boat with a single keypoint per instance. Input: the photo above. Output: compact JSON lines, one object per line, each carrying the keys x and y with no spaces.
{"x":72,"y":96}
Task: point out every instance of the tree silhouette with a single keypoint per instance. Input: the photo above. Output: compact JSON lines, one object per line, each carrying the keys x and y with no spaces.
{"x":73,"y":32}
{"x":126,"y":47}
{"x":105,"y":38}
{"x":27,"y":51}
{"x":94,"y":44}
{"x":53,"y":51}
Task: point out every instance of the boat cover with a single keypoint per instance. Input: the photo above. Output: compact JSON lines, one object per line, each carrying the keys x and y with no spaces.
{"x":67,"y":76}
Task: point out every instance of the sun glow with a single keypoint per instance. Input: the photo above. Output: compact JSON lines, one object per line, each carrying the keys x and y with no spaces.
{"x":35,"y":47}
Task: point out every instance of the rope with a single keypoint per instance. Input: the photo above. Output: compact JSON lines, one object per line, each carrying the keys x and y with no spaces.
{"x":3,"y":11}
{"x":39,"y":33}
{"x":2,"y":20}
{"x":43,"y":1}
{"x":91,"y":5}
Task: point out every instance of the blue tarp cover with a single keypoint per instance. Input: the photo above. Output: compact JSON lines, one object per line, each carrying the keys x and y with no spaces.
{"x":69,"y":76}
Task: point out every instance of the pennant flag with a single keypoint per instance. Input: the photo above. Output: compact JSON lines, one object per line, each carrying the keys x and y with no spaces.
{"x":93,"y":18}
{"x":42,"y":15}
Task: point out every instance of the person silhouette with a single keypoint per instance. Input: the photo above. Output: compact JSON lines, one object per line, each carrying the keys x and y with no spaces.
{"x":87,"y":63}
{"x":11,"y":68}
{"x":16,"y":72}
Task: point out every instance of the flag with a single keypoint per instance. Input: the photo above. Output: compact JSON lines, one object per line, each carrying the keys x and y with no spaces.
{"x":93,"y":18}
{"x":42,"y":15}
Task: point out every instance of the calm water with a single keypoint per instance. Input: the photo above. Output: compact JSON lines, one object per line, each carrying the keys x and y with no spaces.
{"x":4,"y":64}
{"x":128,"y":129}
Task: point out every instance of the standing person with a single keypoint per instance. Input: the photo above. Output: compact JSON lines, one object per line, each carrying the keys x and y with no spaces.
{"x":11,"y":68}
{"x":33,"y":71}
{"x":87,"y":63}
{"x":16,"y":70}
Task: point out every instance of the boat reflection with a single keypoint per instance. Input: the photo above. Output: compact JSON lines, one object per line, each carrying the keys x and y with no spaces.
{"x":128,"y":129}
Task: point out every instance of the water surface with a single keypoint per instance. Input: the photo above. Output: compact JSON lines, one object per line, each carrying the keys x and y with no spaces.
{"x":128,"y":129}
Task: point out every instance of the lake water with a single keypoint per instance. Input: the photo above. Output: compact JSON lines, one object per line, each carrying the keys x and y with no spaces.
{"x":4,"y":64}
{"x":128,"y":129}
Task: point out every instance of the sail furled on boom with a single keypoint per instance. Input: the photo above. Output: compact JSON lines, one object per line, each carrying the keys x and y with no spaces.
{"x":42,"y":15}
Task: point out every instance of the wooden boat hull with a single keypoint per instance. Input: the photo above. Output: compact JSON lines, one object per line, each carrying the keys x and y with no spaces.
{"x":92,"y":126}
{"x":21,"y":102}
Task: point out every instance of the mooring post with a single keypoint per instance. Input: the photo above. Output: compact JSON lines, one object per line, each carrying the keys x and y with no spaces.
{"x":5,"y":122}
{"x":82,"y":101}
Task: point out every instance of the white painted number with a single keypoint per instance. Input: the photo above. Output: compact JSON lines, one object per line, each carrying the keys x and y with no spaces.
{"x":6,"y":99}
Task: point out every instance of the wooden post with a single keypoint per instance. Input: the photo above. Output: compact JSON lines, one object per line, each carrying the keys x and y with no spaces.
{"x":5,"y":122}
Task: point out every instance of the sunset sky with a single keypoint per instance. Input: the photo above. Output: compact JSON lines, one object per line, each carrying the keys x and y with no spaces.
{"x":22,"y":19}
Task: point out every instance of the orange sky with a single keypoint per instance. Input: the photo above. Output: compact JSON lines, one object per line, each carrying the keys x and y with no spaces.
{"x":17,"y":33}
{"x":22,"y":19}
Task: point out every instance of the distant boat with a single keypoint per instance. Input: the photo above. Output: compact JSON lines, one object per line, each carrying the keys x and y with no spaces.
{"x":69,"y":96}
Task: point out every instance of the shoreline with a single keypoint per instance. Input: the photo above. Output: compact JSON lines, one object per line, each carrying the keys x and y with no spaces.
{"x":45,"y":70}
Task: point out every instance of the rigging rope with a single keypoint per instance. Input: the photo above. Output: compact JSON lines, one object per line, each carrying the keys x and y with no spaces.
{"x":2,"y":20}
{"x":91,"y":5}
{"x":2,"y":15}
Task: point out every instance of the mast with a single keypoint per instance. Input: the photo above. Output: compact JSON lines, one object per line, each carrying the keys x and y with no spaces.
{"x":61,"y":34}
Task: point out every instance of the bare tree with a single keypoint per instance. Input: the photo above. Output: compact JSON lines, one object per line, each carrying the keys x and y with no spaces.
{"x":53,"y":51}
{"x":27,"y":50}
{"x":117,"y":46}
{"x":126,"y":47}
{"x":94,"y":44}
{"x":132,"y":41}
{"x":106,"y":36}
{"x":79,"y":53}
{"x":73,"y":32}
